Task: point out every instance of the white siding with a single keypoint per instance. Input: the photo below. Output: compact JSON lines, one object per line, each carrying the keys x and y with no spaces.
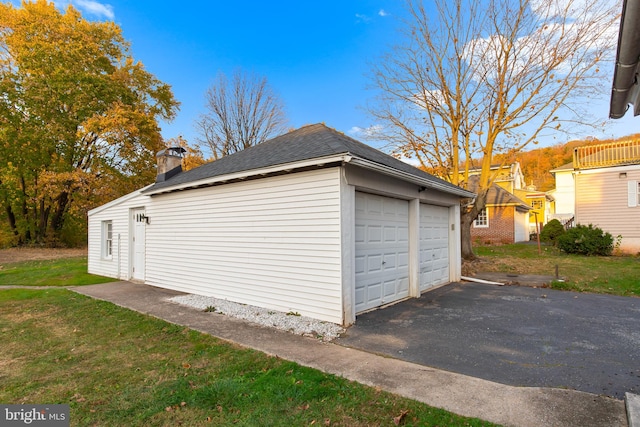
{"x":116,"y":211}
{"x":602,"y":200}
{"x":272,"y":242}
{"x":564,"y":193}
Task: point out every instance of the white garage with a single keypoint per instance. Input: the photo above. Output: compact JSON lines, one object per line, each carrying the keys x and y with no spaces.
{"x":312,"y":222}
{"x":382,"y":250}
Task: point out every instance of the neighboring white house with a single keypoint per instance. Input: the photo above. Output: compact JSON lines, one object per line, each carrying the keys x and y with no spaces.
{"x":564,"y":193}
{"x":312,"y":222}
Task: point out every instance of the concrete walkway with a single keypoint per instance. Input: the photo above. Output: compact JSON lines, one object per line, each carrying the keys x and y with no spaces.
{"x":464,"y":395}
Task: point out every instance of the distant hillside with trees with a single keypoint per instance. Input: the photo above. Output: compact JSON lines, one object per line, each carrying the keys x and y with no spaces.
{"x":537,"y":163}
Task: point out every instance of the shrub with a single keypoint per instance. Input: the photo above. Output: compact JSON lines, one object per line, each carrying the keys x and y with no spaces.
{"x":586,"y":240}
{"x":551,"y":231}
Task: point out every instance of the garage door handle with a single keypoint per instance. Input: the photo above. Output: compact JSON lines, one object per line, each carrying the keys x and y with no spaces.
{"x":384,"y":262}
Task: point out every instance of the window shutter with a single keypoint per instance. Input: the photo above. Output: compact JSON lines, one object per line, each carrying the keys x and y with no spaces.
{"x":632,"y":196}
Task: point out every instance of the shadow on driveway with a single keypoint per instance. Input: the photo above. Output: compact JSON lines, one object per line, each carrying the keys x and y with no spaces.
{"x":518,"y":336}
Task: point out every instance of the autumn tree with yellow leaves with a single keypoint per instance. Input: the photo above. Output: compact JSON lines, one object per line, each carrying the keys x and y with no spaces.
{"x":78,"y":118}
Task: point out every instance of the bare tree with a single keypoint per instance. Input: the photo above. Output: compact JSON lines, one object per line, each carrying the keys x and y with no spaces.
{"x":241,"y":112}
{"x":475,"y":79}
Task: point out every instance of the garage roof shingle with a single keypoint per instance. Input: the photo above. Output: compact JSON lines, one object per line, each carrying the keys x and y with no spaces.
{"x":306,"y":143}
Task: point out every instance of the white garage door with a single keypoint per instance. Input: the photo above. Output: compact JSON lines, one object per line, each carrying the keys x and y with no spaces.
{"x":382,"y":250}
{"x":434,"y":246}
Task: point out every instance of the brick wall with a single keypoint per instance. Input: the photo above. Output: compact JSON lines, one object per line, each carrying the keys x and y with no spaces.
{"x":501,"y":227}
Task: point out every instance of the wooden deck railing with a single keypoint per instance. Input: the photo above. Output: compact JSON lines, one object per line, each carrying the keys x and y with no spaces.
{"x":604,"y":155}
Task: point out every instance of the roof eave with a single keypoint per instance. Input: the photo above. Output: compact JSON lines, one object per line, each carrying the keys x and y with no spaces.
{"x":242,"y":175}
{"x":117,"y":201}
{"x":405,"y":176}
{"x":514,"y":204}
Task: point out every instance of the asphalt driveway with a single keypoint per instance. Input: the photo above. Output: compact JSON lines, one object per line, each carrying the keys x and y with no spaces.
{"x":513,"y":335}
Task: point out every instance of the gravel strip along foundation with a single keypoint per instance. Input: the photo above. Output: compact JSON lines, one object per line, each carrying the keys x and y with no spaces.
{"x":290,"y":322}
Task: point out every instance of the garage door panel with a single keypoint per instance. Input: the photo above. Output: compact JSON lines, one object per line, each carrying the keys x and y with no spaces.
{"x":434,"y":246}
{"x":374,"y":206}
{"x":360,"y":264}
{"x":403,"y":234}
{"x":360,"y":295}
{"x":389,"y":262}
{"x":403,"y":259}
{"x":390,"y":234}
{"x":390,"y":288}
{"x":374,"y":264}
{"x":374,"y":234}
{"x":381,"y":250}
{"x":374,"y":292}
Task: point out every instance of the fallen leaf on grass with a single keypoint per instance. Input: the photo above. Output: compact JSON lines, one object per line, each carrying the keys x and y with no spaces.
{"x":78,"y":398}
{"x":397,"y":420}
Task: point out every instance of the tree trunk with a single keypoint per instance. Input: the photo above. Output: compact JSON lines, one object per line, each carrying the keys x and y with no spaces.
{"x":25,"y":210}
{"x":42,"y":222}
{"x":465,"y":235}
{"x":468,"y":214}
{"x":57,"y":221}
{"x":12,"y":219}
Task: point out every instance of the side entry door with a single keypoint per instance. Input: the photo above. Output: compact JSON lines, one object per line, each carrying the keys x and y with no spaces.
{"x":138,"y":227}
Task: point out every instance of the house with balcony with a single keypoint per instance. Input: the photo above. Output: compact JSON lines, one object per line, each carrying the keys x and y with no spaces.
{"x":607,"y":190}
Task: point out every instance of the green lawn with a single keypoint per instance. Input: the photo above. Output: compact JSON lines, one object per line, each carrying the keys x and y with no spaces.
{"x":59,"y":272}
{"x":116,"y":367}
{"x":616,"y":275}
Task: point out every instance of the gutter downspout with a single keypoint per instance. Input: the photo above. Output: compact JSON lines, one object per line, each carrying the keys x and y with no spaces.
{"x":486,"y":282}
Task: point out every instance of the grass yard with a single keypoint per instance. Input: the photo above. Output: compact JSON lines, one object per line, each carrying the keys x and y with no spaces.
{"x":114,"y":366}
{"x":616,"y":275}
{"x":55,"y":272}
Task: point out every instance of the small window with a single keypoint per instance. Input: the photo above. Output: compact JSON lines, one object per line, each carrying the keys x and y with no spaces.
{"x":536,"y":204}
{"x":482,"y":220}
{"x":107,"y":239}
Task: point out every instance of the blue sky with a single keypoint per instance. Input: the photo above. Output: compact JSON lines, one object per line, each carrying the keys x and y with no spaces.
{"x":315,"y":54}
